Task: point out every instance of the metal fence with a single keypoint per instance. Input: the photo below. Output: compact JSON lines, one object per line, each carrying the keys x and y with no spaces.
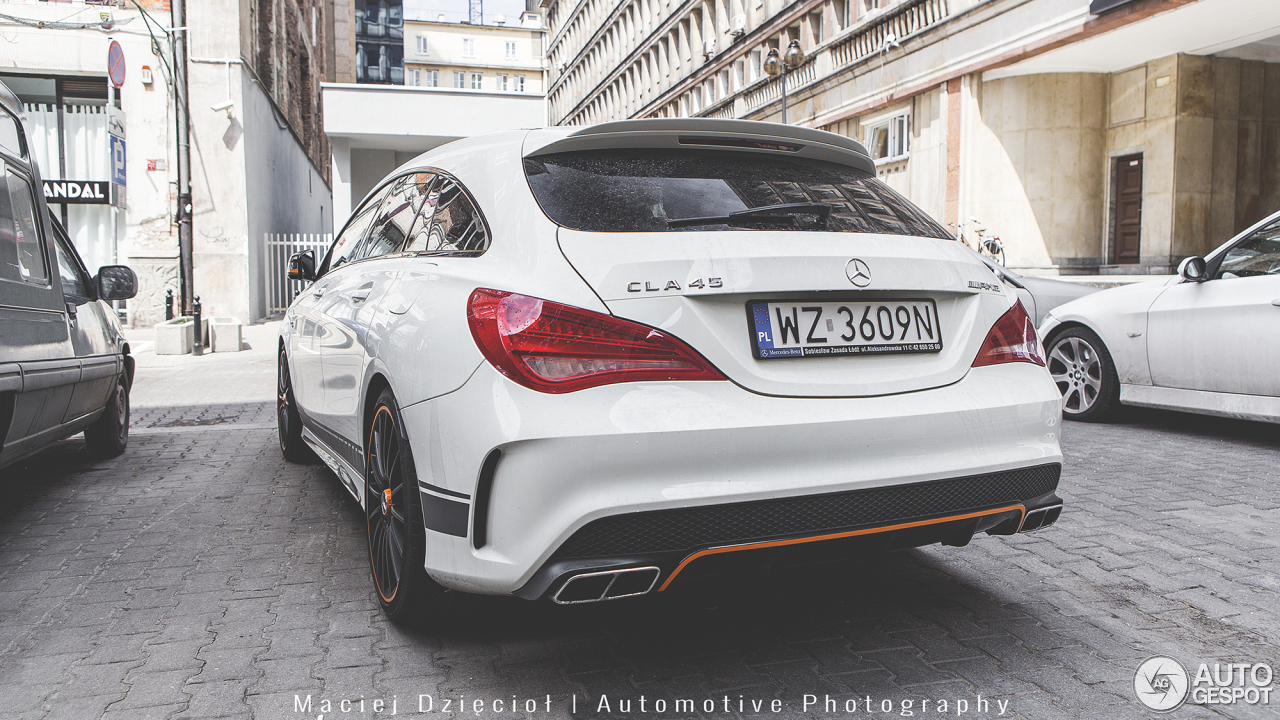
{"x":277,"y":249}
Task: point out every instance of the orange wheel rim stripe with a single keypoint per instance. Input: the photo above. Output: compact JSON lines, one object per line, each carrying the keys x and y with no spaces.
{"x":835,"y":536}
{"x":368,"y":529}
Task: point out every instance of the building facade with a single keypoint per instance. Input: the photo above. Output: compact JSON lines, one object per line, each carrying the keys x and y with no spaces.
{"x":1104,"y":136}
{"x":461,"y":56}
{"x":460,"y":79}
{"x":379,"y":41}
{"x":259,"y":160}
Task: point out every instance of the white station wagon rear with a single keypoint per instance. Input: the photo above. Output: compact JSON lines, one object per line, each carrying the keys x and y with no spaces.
{"x":583,"y":363}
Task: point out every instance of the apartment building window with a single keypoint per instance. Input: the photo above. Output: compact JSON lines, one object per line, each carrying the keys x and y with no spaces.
{"x":725,"y":89}
{"x":430,"y":78}
{"x":476,"y":79}
{"x":739,"y":74}
{"x":756,"y":64}
{"x":413,"y":77}
{"x":503,"y":81}
{"x":459,"y":79}
{"x":510,"y":50}
{"x":517,"y":83}
{"x":422,"y":44}
{"x":889,"y":138}
{"x":468,"y":47}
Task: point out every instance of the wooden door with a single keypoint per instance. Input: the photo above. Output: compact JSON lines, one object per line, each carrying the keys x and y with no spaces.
{"x":1127,"y":221}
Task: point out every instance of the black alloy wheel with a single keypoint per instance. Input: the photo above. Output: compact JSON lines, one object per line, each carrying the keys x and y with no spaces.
{"x":108,"y":436}
{"x":288,"y":421}
{"x":393,"y":511}
{"x":1082,"y":369}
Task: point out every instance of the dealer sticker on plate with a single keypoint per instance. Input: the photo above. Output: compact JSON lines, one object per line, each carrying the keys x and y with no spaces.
{"x":790,"y":329}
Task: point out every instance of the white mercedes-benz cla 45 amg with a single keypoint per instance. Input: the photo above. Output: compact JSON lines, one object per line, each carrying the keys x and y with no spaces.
{"x":583,"y":363}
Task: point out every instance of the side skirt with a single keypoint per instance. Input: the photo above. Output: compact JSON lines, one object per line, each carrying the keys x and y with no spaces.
{"x":1243,"y":407}
{"x":347,"y":475}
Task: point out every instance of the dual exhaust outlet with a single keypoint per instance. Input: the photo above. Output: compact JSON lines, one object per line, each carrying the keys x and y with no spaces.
{"x":607,"y":585}
{"x":1041,"y":518}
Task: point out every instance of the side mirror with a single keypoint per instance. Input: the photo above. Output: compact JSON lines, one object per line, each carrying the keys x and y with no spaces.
{"x":302,"y":266}
{"x":116,"y":282}
{"x":1193,"y":269}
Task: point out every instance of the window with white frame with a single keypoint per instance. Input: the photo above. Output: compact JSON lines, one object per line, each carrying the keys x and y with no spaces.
{"x":431,"y":78}
{"x":459,"y":79}
{"x":413,"y":77}
{"x":476,"y":79}
{"x":504,"y":81}
{"x":517,"y":83}
{"x":422,"y":45}
{"x":757,"y":58}
{"x":510,"y":50}
{"x":468,"y":47}
{"x":889,"y":138}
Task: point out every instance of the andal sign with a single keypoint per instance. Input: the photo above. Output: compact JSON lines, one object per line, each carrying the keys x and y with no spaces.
{"x":78,"y":192}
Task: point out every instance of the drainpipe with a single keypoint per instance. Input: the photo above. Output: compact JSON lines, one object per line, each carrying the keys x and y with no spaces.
{"x":185,"y":258}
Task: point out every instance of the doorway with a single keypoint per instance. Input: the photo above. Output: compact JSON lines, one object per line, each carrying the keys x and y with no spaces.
{"x":1126,"y":222}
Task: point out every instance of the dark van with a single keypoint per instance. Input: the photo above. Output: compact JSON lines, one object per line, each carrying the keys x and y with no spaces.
{"x":64,"y":364}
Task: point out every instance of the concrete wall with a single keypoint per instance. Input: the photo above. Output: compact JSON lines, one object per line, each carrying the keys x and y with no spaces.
{"x":286,"y":192}
{"x":1209,"y":131}
{"x":1031,"y":168}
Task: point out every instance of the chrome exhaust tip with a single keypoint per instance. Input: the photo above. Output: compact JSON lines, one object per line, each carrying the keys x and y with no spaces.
{"x":607,"y":585}
{"x":1041,"y":518}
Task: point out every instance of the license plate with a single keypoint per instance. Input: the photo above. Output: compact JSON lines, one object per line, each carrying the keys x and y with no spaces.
{"x":791,"y":329}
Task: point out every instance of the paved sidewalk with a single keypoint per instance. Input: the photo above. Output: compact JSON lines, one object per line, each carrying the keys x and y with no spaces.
{"x":200,"y":576}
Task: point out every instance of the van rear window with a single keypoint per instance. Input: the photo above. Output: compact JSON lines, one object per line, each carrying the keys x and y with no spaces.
{"x":679,"y":190}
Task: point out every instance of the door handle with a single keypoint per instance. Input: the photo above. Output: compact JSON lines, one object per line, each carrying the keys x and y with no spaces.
{"x":361,"y":293}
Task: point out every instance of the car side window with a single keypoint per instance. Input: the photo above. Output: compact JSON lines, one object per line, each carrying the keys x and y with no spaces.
{"x":454,"y":227}
{"x":22,"y":252}
{"x":1258,"y":254}
{"x":396,"y":214}
{"x":74,"y":283}
{"x":348,"y":243}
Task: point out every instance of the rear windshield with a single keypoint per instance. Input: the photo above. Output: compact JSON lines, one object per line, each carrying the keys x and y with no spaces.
{"x":654,"y":190}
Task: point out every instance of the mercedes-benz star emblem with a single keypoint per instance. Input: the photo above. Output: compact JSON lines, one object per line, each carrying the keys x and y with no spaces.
{"x":858,"y":272}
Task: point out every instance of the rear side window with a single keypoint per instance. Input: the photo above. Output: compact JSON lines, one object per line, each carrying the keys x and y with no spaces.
{"x":22,"y":252}
{"x":653,"y":190}
{"x":450,"y":223}
{"x":396,"y":215}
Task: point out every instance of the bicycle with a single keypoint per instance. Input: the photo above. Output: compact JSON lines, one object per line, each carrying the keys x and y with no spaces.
{"x":990,"y":246}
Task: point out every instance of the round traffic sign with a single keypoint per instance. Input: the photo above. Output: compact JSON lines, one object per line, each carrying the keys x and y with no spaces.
{"x":115,"y":64}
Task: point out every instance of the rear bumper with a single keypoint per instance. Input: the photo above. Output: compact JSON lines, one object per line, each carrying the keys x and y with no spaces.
{"x":558,"y":465}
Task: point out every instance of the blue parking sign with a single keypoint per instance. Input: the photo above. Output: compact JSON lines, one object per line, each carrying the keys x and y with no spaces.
{"x":117,"y":160}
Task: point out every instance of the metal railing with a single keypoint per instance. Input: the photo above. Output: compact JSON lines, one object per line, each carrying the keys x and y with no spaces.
{"x":907,"y":19}
{"x":277,"y":248}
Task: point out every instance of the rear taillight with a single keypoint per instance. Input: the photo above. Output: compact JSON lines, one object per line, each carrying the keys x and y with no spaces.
{"x":556,"y":348}
{"x":1012,"y":339}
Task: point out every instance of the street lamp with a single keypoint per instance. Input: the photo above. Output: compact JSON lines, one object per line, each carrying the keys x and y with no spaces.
{"x":791,"y":59}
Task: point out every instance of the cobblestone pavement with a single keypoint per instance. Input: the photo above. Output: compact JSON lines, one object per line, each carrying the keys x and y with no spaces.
{"x":199,"y":576}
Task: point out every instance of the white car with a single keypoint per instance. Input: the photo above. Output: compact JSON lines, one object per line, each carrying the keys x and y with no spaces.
{"x":1206,"y":340}
{"x":579,"y":363}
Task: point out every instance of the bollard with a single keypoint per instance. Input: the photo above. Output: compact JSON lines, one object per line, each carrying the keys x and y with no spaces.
{"x":168,"y":304}
{"x":197,"y":344}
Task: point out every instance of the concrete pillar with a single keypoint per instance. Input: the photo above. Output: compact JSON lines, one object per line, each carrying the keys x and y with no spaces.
{"x":340,"y":152}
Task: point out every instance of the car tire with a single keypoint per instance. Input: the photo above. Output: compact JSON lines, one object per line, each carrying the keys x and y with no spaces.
{"x":108,"y":436}
{"x":288,"y":421}
{"x":1082,"y":369}
{"x":393,"y":518}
